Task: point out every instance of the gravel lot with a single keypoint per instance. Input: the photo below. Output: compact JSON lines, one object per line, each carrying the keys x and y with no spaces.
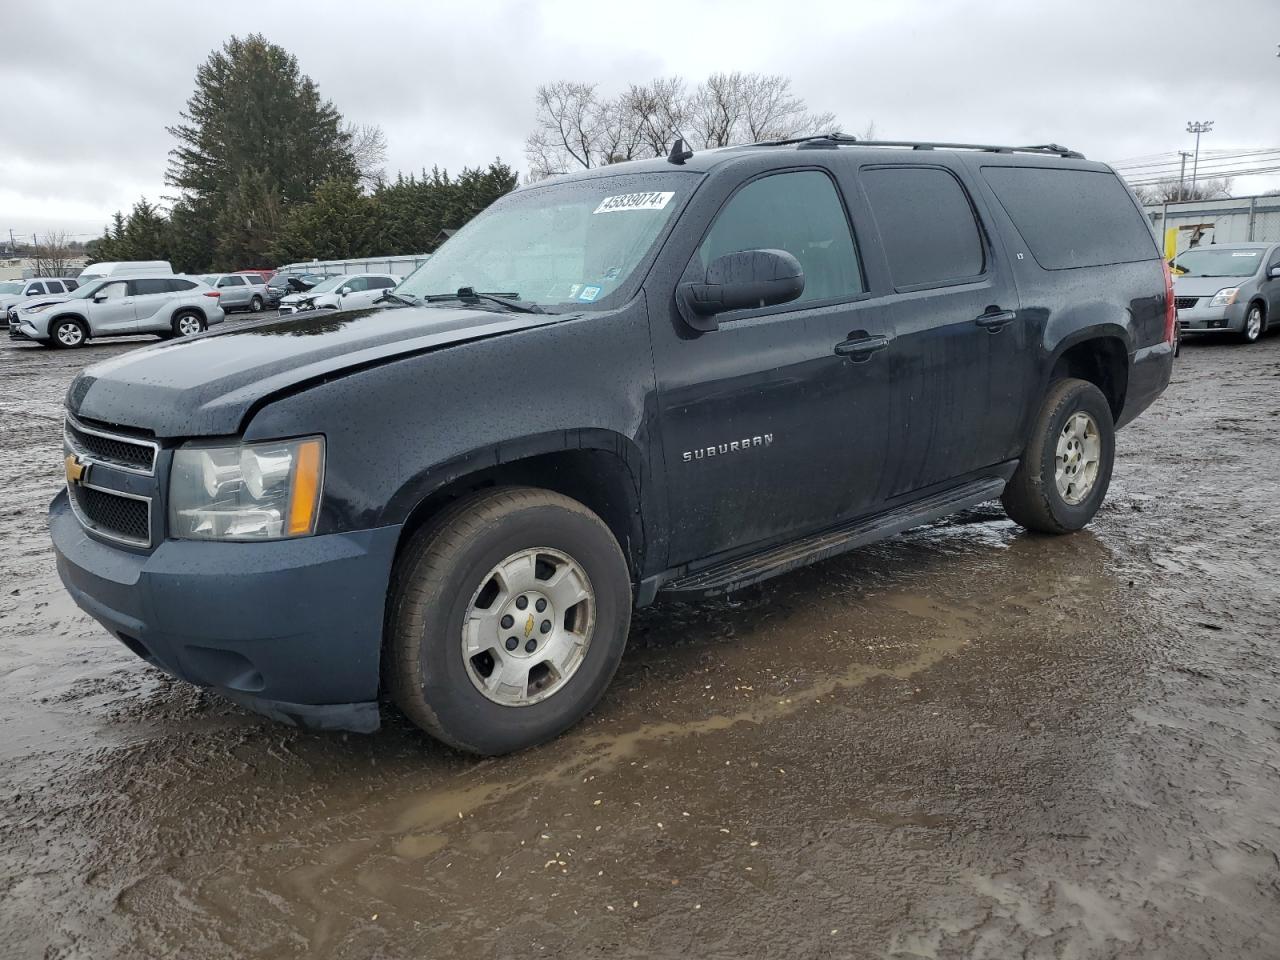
{"x":966,"y":742}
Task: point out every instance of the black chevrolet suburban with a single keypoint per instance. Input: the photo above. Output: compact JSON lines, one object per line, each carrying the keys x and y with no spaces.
{"x":666,"y":378}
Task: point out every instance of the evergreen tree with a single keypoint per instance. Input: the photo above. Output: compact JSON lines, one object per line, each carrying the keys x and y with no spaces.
{"x":340,"y":223}
{"x":248,"y":222}
{"x":254,"y":113}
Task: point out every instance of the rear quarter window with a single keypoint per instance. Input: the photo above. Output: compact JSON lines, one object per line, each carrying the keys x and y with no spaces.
{"x":1072,"y":218}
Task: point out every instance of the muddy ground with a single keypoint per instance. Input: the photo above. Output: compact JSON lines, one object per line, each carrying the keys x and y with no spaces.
{"x":965,"y":742}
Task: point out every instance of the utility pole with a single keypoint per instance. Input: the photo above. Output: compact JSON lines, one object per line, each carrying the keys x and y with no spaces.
{"x":1197,"y":127}
{"x":1182,"y":174}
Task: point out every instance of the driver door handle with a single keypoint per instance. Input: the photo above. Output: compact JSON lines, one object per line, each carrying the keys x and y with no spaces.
{"x":994,"y":321}
{"x":861,"y":350}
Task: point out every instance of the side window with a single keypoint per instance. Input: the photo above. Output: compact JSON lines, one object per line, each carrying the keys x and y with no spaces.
{"x":113,"y":291}
{"x":230,"y":282}
{"x":53,"y":286}
{"x":146,"y":288}
{"x":800,"y":213}
{"x":71,"y":285}
{"x":926,"y":225}
{"x":381,"y":283}
{"x":35,"y":289}
{"x":179,"y":286}
{"x":357,"y":284}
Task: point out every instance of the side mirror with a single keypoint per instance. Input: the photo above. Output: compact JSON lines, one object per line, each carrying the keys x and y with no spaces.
{"x":100,"y":298}
{"x":1274,"y":273}
{"x":737,"y":281}
{"x":344,"y":291}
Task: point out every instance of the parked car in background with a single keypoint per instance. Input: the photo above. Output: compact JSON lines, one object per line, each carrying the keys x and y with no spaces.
{"x":125,"y":268}
{"x":239,"y":291}
{"x":14,"y":293}
{"x":345,"y":292}
{"x":284,"y":284}
{"x":266,"y":275}
{"x":1227,"y":287}
{"x":168,"y":306}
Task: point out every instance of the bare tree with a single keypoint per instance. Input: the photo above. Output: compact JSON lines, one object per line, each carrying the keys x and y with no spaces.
{"x":1172,"y":190}
{"x":576,"y":127}
{"x":54,"y":255}
{"x":369,"y":149}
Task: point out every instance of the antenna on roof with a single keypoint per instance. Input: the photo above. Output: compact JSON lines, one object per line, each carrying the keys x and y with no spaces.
{"x":679,"y":152}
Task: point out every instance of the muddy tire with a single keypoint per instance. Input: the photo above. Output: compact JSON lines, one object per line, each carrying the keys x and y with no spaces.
{"x":1255,"y":324}
{"x":67,"y":332}
{"x":1065,"y":469}
{"x":507,"y":618}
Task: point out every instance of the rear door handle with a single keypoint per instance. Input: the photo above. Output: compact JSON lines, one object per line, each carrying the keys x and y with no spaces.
{"x":994,"y":321}
{"x":860,"y":350}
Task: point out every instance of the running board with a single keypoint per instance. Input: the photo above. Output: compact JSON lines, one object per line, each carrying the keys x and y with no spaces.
{"x":730,"y":575}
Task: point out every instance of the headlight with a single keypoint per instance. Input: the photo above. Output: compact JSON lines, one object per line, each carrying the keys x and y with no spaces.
{"x":37,"y":308}
{"x":1225,"y":297}
{"x":250,"y":491}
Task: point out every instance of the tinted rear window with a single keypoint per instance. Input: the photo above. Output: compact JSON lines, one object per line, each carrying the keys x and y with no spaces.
{"x":926,"y":225}
{"x":1072,"y":218}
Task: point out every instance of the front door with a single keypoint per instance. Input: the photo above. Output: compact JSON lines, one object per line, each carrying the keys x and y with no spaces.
{"x":960,"y":360}
{"x":1271,"y":287}
{"x":766,"y":430}
{"x":234,"y":290}
{"x":111,"y":309}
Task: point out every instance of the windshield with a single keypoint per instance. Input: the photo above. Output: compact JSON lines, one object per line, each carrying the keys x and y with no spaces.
{"x":324,"y":286}
{"x":575,"y":242}
{"x":1217,"y":263}
{"x":9,"y":288}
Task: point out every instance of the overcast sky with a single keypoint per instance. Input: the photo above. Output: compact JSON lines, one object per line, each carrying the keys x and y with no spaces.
{"x":89,"y":89}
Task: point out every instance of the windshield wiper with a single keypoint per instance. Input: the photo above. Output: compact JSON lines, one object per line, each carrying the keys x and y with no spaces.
{"x":398,"y":297}
{"x":511,"y":301}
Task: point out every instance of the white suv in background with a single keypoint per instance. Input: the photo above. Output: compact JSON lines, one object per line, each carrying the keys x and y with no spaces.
{"x":118,"y":307}
{"x":238,"y":291}
{"x":344,"y":292}
{"x":14,"y":293}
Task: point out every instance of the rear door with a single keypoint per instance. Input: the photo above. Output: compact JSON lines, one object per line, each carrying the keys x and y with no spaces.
{"x":959,"y":365}
{"x":151,"y":299}
{"x":234,"y":291}
{"x":1271,"y":287}
{"x":767,"y":431}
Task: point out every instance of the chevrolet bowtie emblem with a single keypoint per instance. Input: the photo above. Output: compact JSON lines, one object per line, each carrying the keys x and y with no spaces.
{"x":528,"y":625}
{"x":76,"y":471}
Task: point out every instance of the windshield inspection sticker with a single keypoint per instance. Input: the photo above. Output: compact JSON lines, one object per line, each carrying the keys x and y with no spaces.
{"x":589,"y":293}
{"x":635,"y":201}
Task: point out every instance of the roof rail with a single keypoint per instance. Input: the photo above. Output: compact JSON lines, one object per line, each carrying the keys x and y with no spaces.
{"x":835,"y":139}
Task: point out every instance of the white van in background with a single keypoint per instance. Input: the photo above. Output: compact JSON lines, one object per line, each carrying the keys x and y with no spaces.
{"x":125,"y":268}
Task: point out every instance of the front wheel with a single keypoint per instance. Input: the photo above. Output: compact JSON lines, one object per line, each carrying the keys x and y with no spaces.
{"x":1254,"y":325}
{"x":1065,"y":470}
{"x":508,"y":618}
{"x":255,"y":305}
{"x":68,"y":333}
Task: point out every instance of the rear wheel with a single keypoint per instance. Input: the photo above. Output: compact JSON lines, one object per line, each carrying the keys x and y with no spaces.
{"x":188,"y":324}
{"x":1065,"y":470}
{"x":68,"y":332}
{"x":508,"y":618}
{"x":1254,"y":324}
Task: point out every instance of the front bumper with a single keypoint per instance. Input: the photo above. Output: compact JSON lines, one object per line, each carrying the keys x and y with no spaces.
{"x":290,"y":628}
{"x":1201,"y":319}
{"x":25,"y":330}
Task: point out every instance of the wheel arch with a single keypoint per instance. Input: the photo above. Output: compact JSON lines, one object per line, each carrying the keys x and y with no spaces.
{"x":599,"y":468}
{"x":1099,"y":356}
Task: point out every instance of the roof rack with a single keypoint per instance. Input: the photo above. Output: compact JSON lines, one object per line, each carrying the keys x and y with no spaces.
{"x":836,"y":139}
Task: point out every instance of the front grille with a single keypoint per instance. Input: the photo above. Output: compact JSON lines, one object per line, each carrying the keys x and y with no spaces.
{"x":113,"y":515}
{"x":113,"y":449}
{"x":1185,"y":303}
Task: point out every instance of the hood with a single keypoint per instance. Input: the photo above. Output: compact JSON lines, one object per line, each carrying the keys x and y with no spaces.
{"x":37,"y":301}
{"x":1204,"y":286}
{"x":208,"y":385}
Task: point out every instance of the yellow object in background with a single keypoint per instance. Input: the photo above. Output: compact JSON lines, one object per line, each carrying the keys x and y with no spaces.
{"x":1170,"y":243}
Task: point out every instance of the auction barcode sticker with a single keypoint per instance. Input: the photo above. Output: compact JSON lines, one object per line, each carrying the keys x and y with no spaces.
{"x":635,"y":201}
